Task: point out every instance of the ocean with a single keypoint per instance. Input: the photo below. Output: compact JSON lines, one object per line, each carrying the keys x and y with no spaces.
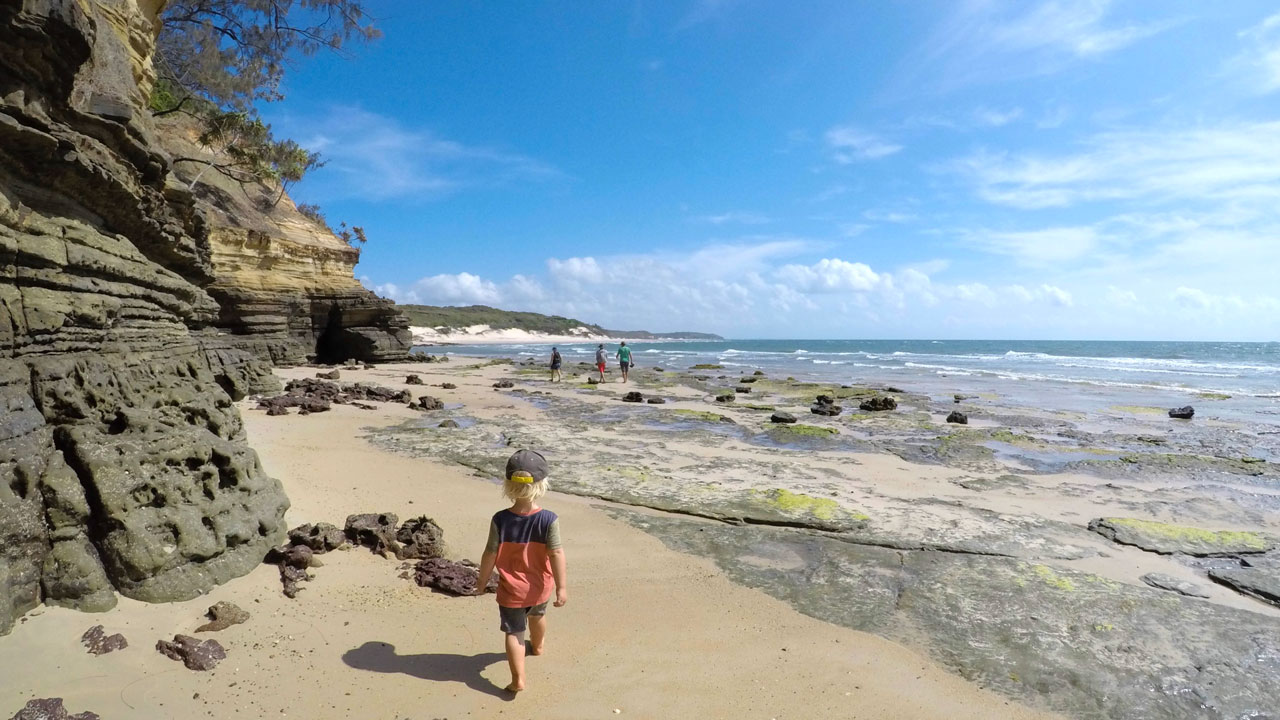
{"x":1056,"y":374}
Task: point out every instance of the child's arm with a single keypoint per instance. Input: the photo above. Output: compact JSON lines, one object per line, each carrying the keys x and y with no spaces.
{"x":559,"y":572}
{"x":487,"y":560}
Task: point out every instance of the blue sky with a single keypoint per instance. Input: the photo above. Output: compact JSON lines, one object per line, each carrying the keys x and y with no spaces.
{"x":951,"y":169}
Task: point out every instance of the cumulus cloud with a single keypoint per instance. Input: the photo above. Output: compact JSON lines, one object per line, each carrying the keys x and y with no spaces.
{"x":830,"y":275}
{"x":849,"y":145}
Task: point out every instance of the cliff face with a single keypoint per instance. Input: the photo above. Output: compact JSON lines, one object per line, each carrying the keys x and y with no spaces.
{"x":284,"y":283}
{"x":123,"y":462}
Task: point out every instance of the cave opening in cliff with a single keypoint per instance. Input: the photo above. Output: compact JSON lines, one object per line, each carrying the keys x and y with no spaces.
{"x":338,"y":344}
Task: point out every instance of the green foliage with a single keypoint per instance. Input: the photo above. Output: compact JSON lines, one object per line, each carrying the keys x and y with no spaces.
{"x":234,"y":52}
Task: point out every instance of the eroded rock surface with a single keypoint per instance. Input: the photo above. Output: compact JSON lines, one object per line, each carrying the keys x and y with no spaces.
{"x":98,"y":642}
{"x":199,"y":655}
{"x":123,"y":463}
{"x":1174,"y":584}
{"x":1166,"y":539}
{"x":376,"y":531}
{"x":51,"y":709}
{"x":420,"y":537}
{"x":1262,"y":583}
{"x":320,"y":537}
{"x":223,"y":615}
{"x":453,"y":578}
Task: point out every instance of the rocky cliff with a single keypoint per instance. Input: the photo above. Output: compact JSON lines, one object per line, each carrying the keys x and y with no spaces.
{"x":284,"y":283}
{"x":123,"y":462}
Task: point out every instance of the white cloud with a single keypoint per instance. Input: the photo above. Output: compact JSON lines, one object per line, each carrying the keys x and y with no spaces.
{"x":1230,"y":162}
{"x":1192,"y":298}
{"x":1037,"y":248}
{"x":1056,"y":295}
{"x":739,"y":218}
{"x":990,"y":117}
{"x":848,"y":145}
{"x":830,"y":275}
{"x":888,"y":216}
{"x":1073,"y":26}
{"x":1259,"y":62}
{"x":460,"y":289}
{"x":375,"y":157}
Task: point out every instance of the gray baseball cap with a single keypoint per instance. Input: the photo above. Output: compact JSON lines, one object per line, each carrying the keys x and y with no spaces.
{"x":527,"y":462}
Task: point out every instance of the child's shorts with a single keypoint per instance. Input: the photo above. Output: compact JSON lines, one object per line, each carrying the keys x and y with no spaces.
{"x":516,"y":620}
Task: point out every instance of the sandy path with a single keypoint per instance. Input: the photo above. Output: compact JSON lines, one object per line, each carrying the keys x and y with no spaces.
{"x":650,"y":632}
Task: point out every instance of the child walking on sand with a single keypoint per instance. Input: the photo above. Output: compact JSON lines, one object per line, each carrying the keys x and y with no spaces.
{"x":524,"y":546}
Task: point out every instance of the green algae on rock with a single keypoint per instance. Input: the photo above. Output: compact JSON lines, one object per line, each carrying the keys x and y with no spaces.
{"x":1166,"y":539}
{"x":803,"y":430}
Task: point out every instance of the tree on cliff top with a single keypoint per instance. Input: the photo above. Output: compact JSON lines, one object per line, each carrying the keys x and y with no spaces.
{"x":233,"y":53}
{"x":217,"y":58}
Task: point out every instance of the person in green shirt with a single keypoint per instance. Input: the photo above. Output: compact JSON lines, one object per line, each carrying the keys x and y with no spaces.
{"x":624,"y":359}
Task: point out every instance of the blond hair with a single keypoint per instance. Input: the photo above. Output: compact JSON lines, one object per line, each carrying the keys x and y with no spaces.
{"x":516,"y":491}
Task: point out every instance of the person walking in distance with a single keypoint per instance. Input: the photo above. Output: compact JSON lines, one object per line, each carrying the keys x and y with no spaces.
{"x":600,"y":360}
{"x":556,"y":361}
{"x":624,"y":360}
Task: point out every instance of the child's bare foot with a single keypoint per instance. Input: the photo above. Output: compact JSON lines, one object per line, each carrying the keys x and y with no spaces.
{"x":514,"y":687}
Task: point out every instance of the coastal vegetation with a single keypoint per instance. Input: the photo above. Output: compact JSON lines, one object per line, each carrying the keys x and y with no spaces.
{"x":451,"y":318}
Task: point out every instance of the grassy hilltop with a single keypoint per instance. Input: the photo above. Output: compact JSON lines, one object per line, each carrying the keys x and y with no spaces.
{"x":460,"y":317}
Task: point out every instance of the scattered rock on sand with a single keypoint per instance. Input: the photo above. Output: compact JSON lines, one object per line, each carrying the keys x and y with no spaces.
{"x":1183,"y":413}
{"x":195,"y":654}
{"x":448,"y":423}
{"x":879,"y":404}
{"x":223,"y":615}
{"x":292,"y":561}
{"x":633,"y":397}
{"x":758,"y":373}
{"x":51,"y":709}
{"x":782,"y":417}
{"x":961,"y":398}
{"x":420,"y":537}
{"x":725,"y":398}
{"x":825,"y":405}
{"x":320,"y":537}
{"x":656,"y":401}
{"x":98,"y":642}
{"x":958,"y":418}
{"x":331,"y":375}
{"x":1262,"y":583}
{"x":412,"y":380}
{"x":1167,"y":539}
{"x":426,"y":402}
{"x":448,"y":386}
{"x":742,"y":389}
{"x":453,"y":578}
{"x":748,"y":380}
{"x":1174,"y":584}
{"x":277,"y":410}
{"x":593,"y":381}
{"x":504,"y":384}
{"x":376,"y":531}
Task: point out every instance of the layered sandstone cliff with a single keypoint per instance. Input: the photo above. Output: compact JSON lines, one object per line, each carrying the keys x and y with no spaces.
{"x":123,"y":462}
{"x":285,"y":284}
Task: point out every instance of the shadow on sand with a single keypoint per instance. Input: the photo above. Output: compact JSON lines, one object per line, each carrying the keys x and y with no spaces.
{"x":440,"y":667}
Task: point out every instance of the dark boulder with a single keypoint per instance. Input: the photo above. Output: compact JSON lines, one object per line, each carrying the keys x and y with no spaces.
{"x":98,"y":642}
{"x":656,"y":401}
{"x":273,"y":409}
{"x":452,"y":578}
{"x":748,"y":380}
{"x":420,"y":537}
{"x":878,"y":404}
{"x":51,"y":709}
{"x":413,"y":380}
{"x":223,"y":615}
{"x":320,"y":537}
{"x":448,"y":423}
{"x":195,"y":654}
{"x":633,"y":397}
{"x":504,"y":384}
{"x":758,"y":373}
{"x":426,"y":402}
{"x":958,"y":418}
{"x":331,"y":375}
{"x":292,"y":561}
{"x":825,"y":405}
{"x":782,"y":417}
{"x":448,"y":386}
{"x":742,"y":389}
{"x":593,"y":381}
{"x":1183,"y":413}
{"x":961,"y":398}
{"x":376,"y":531}
{"x":725,"y":398}
{"x":892,"y":389}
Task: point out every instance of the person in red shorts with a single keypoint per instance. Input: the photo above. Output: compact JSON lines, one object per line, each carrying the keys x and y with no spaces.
{"x":524,"y":546}
{"x":600,"y":360}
